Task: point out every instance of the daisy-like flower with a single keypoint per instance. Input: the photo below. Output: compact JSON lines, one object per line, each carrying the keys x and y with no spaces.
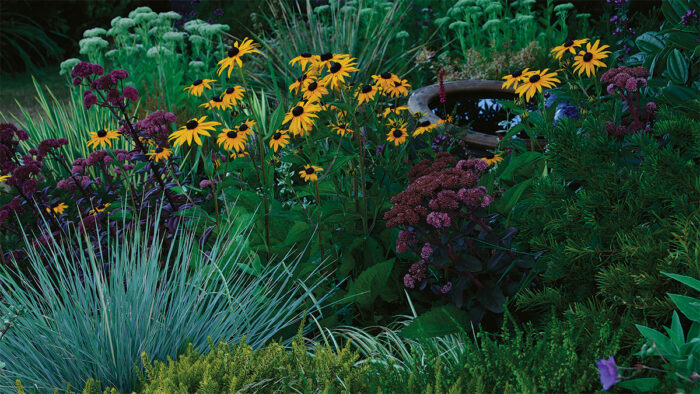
{"x":217,"y":102}
{"x":536,"y":80}
{"x":159,"y":154}
{"x":399,"y":88}
{"x":366,"y":93}
{"x":234,"y":95}
{"x":310,"y":173}
{"x":492,"y":159}
{"x":424,"y":127}
{"x":300,"y":118}
{"x":515,"y":78}
{"x":239,"y":153}
{"x":232,"y":139}
{"x":299,"y":83}
{"x":197,"y":87}
{"x":279,"y":140}
{"x":394,"y":109}
{"x":569,"y":46}
{"x":191,"y":131}
{"x":57,"y":208}
{"x":3,"y":178}
{"x":386,"y":80}
{"x":305,"y":59}
{"x":397,"y":134}
{"x":337,"y":71}
{"x":99,"y":208}
{"x":588,"y":59}
{"x":342,"y":128}
{"x":102,"y":138}
{"x":314,"y":90}
{"x":234,"y":55}
{"x":325,"y":60}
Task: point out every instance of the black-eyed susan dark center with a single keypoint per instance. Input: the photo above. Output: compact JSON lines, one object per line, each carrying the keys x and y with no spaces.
{"x":326,"y":56}
{"x":312,"y":86}
{"x":569,"y":43}
{"x":277,"y":135}
{"x":192,"y":124}
{"x":366,"y":89}
{"x":102,"y":133}
{"x":424,"y":123}
{"x":197,"y":82}
{"x":243,"y":127}
{"x":516,"y":74}
{"x":342,"y":126}
{"x":587,"y":57}
{"x":233,"y":52}
{"x":218,"y":99}
{"x":489,"y":156}
{"x":232,"y":134}
{"x":297,"y":111}
{"x":305,"y":54}
{"x":230,"y":90}
{"x":159,"y":149}
{"x":310,"y":170}
{"x":385,"y":75}
{"x":397,"y":133}
{"x":534,"y":78}
{"x":335,"y":67}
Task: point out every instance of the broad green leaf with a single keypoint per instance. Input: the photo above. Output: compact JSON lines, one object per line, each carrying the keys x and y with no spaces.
{"x":364,"y":290}
{"x":641,"y":384}
{"x":300,"y":231}
{"x":677,"y":67}
{"x":662,"y":342}
{"x":650,"y":42}
{"x":676,"y":330}
{"x":511,"y":197}
{"x":686,"y":280}
{"x":688,"y":306}
{"x":439,"y":321}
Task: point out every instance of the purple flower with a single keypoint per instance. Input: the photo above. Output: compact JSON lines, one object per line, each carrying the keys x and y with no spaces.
{"x":426,"y":251}
{"x":219,"y":12}
{"x":439,"y":219}
{"x":89,"y":100}
{"x":131,"y":93}
{"x":651,"y":106}
{"x":446,"y":288}
{"x":608,"y":372}
{"x":120,"y":74}
{"x":690,"y":18}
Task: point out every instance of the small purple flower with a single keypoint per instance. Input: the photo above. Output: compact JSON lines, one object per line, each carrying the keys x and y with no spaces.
{"x":608,"y":372}
{"x":446,"y":288}
{"x":651,"y":106}
{"x":610,"y":89}
{"x":426,"y":251}
{"x":131,"y":93}
{"x":219,"y":12}
{"x":120,"y":74}
{"x":690,"y":18}
{"x":439,"y":219}
{"x":89,"y":100}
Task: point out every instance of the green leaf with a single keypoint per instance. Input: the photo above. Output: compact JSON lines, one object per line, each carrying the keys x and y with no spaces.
{"x":364,"y":290}
{"x":511,"y":197}
{"x":299,"y":231}
{"x":650,"y":42}
{"x":686,"y":280}
{"x":438,"y":321}
{"x":640,"y":384}
{"x":676,"y":330}
{"x":688,"y":306}
{"x":663,"y":343}
{"x":677,"y":67}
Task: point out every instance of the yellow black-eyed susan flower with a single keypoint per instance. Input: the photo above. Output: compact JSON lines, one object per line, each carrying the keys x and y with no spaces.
{"x":217,"y":102}
{"x":325,"y":60}
{"x":304,"y":59}
{"x":191,"y":131}
{"x":234,"y":55}
{"x":492,"y":159}
{"x":398,"y":88}
{"x":536,"y":80}
{"x":310,"y":173}
{"x":239,"y":153}
{"x":397,"y":134}
{"x":299,"y":83}
{"x":159,"y":154}
{"x":338,"y":71}
{"x":314,"y":90}
{"x":232,"y":139}
{"x":588,"y":59}
{"x":301,"y":117}
{"x":515,"y":78}
{"x":342,"y":128}
{"x":234,"y":95}
{"x":386,"y":80}
{"x":57,"y":208}
{"x":279,"y":140}
{"x":102,"y":138}
{"x":99,"y":208}
{"x":394,"y":109}
{"x":198,"y":86}
{"x":569,"y":46}
{"x":3,"y":178}
{"x":365,"y":94}
{"x":424,"y":127}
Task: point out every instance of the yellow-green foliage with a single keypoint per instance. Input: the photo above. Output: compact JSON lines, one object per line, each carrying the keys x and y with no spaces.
{"x":238,"y":368}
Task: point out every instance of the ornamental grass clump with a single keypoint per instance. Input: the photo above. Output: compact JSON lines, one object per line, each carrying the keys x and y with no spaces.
{"x":459,"y":252}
